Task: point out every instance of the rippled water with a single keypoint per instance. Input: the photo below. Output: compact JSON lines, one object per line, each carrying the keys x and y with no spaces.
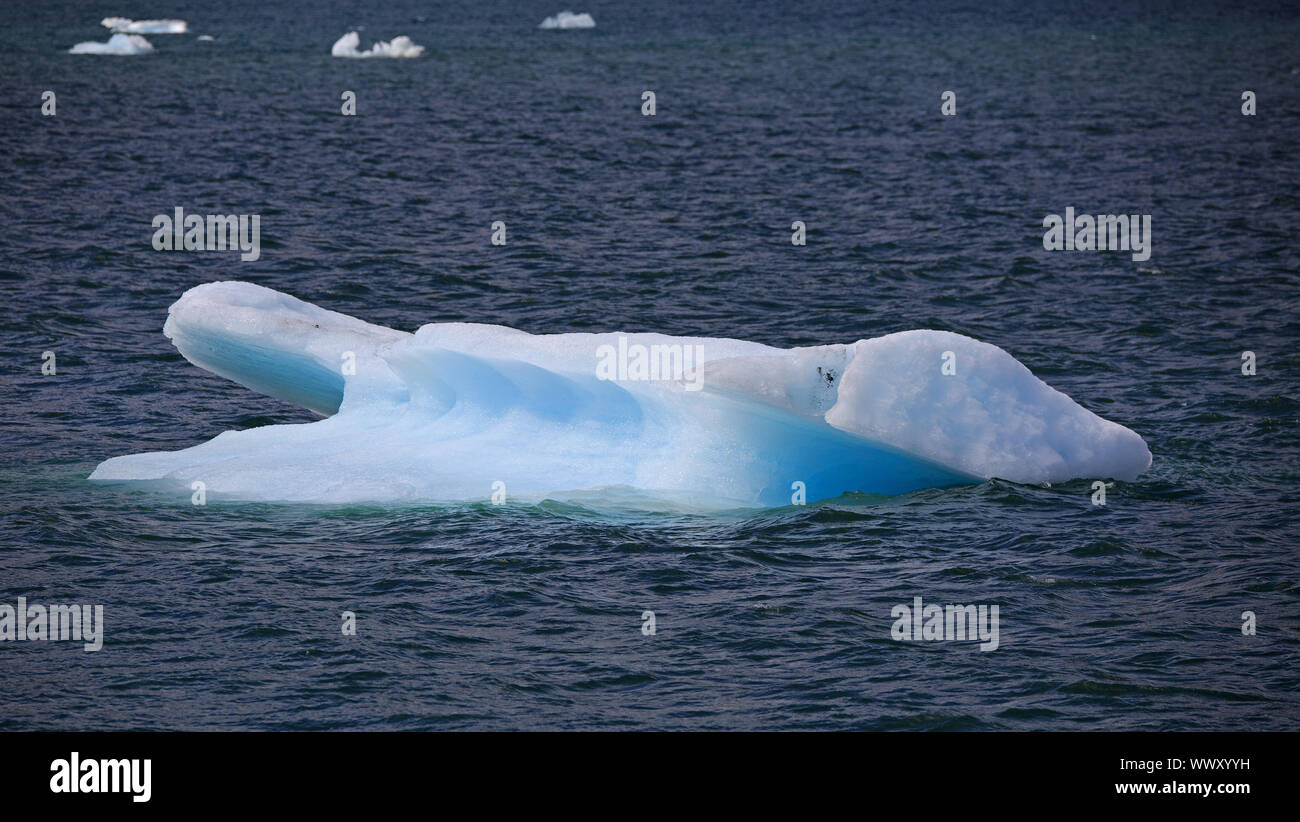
{"x":227,"y":616}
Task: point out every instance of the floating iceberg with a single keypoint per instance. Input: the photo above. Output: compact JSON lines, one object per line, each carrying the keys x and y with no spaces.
{"x":347,"y":46}
{"x":569,"y":20}
{"x":129,"y":26}
{"x":458,"y":411}
{"x":117,"y":44}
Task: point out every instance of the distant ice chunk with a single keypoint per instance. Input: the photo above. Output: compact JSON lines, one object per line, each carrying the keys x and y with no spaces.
{"x":129,"y":26}
{"x":453,"y":410}
{"x":568,"y":20}
{"x":121,"y":44}
{"x":348,"y":46}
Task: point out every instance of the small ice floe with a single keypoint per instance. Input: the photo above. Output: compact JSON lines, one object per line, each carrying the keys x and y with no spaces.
{"x":117,"y":44}
{"x":129,"y":26}
{"x":347,"y":46}
{"x":569,"y":20}
{"x":207,"y":38}
{"x":613,"y":418}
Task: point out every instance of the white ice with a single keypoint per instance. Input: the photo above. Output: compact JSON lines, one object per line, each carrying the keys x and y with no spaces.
{"x":348,"y":46}
{"x":117,"y":44}
{"x":129,"y":26}
{"x":450,"y":411}
{"x":568,"y":20}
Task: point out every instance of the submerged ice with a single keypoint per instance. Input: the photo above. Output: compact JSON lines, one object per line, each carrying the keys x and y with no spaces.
{"x":458,"y":411}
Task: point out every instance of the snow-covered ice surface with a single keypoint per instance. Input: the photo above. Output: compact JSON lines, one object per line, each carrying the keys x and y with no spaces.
{"x":129,"y":26}
{"x":348,"y":46}
{"x":568,"y":20}
{"x":121,"y":44}
{"x":448,"y":412}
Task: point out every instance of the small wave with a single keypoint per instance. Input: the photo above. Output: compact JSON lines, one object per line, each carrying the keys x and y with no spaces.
{"x":347,"y":46}
{"x":117,"y":44}
{"x":569,"y":20}
{"x":129,"y":26}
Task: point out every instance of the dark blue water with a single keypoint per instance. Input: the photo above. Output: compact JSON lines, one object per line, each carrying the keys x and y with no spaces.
{"x":521,"y":617}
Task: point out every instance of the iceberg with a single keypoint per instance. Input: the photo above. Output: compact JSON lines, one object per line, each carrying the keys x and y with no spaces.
{"x":347,"y":46}
{"x":568,"y":20}
{"x":129,"y":26}
{"x":462,"y":411}
{"x":117,"y":44}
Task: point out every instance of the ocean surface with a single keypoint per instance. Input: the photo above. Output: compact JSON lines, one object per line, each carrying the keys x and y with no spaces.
{"x":529,"y":616}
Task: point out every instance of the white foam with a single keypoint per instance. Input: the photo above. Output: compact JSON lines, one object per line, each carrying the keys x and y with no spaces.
{"x":129,"y":26}
{"x":443,"y":414}
{"x":569,"y":20}
{"x":121,"y":44}
{"x":348,"y":46}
